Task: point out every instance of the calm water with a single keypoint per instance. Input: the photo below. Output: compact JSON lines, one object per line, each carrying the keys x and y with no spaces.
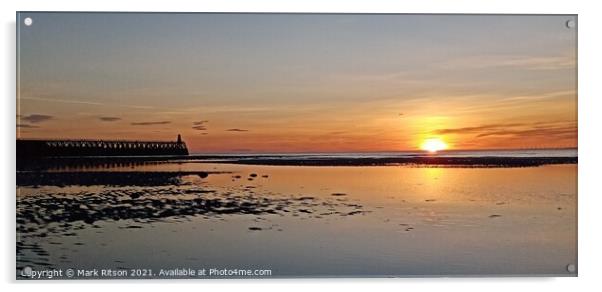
{"x":310,"y":221}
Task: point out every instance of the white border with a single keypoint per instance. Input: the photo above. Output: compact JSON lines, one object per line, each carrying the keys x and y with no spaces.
{"x":590,"y":94}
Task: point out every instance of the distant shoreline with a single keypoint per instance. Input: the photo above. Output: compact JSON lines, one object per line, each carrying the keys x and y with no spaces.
{"x":286,"y":160}
{"x":418,"y":161}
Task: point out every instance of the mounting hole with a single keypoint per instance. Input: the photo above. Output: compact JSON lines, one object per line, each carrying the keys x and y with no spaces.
{"x":571,"y":268}
{"x":28,"y":21}
{"x":570,"y":23}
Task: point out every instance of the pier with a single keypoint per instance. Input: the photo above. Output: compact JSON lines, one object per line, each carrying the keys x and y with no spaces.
{"x":32,"y":148}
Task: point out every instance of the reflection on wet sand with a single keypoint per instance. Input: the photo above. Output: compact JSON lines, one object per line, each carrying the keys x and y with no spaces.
{"x":64,"y":213}
{"x":386,"y":220}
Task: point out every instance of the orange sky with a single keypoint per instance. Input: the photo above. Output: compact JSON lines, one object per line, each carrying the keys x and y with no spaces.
{"x":300,"y":83}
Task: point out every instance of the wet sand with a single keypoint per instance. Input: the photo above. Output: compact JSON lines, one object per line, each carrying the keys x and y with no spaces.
{"x":312,"y":220}
{"x":89,"y":178}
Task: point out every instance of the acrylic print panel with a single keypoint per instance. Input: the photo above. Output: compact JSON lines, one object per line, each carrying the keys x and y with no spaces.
{"x":215,"y":145}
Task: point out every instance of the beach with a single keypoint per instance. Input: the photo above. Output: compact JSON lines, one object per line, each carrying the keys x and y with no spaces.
{"x":323,"y":221}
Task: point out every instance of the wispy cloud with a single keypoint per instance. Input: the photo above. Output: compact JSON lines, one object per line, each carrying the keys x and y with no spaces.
{"x":84,"y":102}
{"x":58,"y":100}
{"x":151,"y":123}
{"x":519,"y":61}
{"x":200,"y":125}
{"x":542,"y":96}
{"x":475,"y":129}
{"x":109,"y":119}
{"x":237,"y":130}
{"x":569,"y":131}
{"x":35,"y":118}
{"x":560,"y":129}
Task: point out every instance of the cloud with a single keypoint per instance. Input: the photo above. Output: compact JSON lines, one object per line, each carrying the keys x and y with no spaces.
{"x":109,"y":119}
{"x":559,"y":129}
{"x":72,"y":101}
{"x":200,"y":125}
{"x":26,"y":126}
{"x":475,"y":129}
{"x":546,"y":132}
{"x":237,"y":130}
{"x":61,"y":100}
{"x":540,"y":63}
{"x":513,"y":61}
{"x":151,"y":123}
{"x":36,"y":118}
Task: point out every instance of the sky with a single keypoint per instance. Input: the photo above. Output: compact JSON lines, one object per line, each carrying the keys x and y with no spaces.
{"x":299,"y":82}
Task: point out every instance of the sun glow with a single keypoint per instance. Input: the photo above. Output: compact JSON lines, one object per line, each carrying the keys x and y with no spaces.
{"x":433,"y":145}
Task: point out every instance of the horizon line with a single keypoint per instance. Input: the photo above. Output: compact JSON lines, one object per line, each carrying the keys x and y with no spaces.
{"x":383,"y":151}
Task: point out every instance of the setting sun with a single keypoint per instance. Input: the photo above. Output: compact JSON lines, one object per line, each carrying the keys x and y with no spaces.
{"x":433,"y":145}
